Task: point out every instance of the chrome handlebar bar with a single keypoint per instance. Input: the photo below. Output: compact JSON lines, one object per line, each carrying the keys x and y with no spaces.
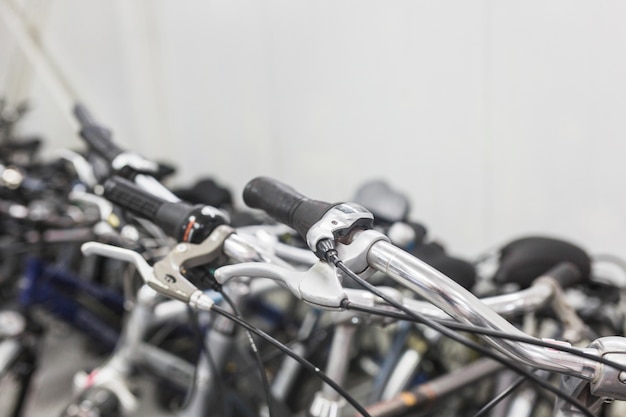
{"x":465,"y":307}
{"x":321,"y":286}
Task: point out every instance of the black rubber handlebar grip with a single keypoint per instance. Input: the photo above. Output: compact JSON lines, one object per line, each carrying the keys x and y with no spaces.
{"x":169,"y":216}
{"x":566,"y":274}
{"x":97,"y":137}
{"x":284,"y":204}
{"x":99,"y":140}
{"x":83,"y":116}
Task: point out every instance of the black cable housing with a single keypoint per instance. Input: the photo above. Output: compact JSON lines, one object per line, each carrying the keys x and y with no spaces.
{"x":491,"y":333}
{"x":510,"y":390}
{"x":305,"y":363}
{"x":257,"y":358}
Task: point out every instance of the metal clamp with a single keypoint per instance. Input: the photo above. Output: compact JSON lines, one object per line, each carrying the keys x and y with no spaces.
{"x":575,"y":329}
{"x":338,"y":222}
{"x":608,"y":384}
{"x":354,"y":255}
{"x":169,"y":270}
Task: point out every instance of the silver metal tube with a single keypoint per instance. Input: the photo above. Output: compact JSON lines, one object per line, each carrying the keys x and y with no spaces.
{"x":153,"y":186}
{"x":205,"y":391}
{"x":170,"y":310}
{"x":525,"y":301}
{"x":266,"y":236}
{"x":465,"y":307}
{"x":286,"y":375}
{"x":138,"y":323}
{"x":9,"y":349}
{"x":520,"y":302}
{"x":436,"y":389}
{"x":165,"y":364}
{"x":241,"y":250}
{"x":339,"y":358}
{"x":301,"y":256}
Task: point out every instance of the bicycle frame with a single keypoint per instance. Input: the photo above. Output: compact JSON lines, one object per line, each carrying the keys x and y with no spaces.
{"x":53,"y":288}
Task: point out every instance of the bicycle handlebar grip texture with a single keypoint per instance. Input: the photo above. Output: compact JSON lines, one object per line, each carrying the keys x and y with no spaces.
{"x":566,"y":274}
{"x":97,"y":137}
{"x":171,"y":217}
{"x":284,"y":204}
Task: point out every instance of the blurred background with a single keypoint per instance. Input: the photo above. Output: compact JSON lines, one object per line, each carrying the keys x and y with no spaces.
{"x":497,"y":118}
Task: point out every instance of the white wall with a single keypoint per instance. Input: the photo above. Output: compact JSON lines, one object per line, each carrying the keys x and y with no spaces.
{"x":497,"y":118}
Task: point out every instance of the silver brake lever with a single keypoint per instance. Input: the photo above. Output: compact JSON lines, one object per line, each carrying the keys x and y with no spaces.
{"x":115,"y":252}
{"x":83,"y":169}
{"x":178,"y":287}
{"x":134,"y":161}
{"x":105,"y":207}
{"x":319,"y":285}
{"x":266,"y":236}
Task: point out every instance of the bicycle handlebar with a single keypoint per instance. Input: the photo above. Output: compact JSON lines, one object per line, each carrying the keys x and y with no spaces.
{"x":284,"y":204}
{"x":465,"y":307}
{"x":183,"y":222}
{"x":371,"y":249}
{"x":83,"y":116}
{"x":318,"y":222}
{"x":97,"y":137}
{"x":399,"y":265}
{"x":281,"y":201}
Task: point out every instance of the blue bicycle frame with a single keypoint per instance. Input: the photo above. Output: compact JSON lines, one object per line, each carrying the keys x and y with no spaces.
{"x":58,"y":291}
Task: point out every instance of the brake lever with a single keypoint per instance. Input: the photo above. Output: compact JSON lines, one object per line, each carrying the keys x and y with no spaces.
{"x":171,"y":268}
{"x":105,"y":207}
{"x":134,"y":161}
{"x":115,"y":252}
{"x":83,"y":169}
{"x":177,"y":287}
{"x":319,"y":285}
